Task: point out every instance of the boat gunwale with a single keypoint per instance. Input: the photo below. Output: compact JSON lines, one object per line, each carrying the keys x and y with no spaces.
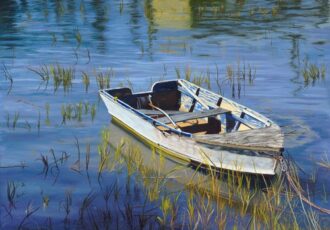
{"x":265,"y":120}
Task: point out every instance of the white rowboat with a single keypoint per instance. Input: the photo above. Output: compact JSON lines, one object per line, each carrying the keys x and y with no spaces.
{"x":198,"y":127}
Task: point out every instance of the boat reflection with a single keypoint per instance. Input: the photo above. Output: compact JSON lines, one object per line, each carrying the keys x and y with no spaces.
{"x":232,"y":189}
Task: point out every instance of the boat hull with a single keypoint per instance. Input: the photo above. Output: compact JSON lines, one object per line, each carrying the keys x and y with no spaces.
{"x":185,"y":149}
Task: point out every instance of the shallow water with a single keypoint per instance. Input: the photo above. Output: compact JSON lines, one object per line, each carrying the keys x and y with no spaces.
{"x":144,"y":41}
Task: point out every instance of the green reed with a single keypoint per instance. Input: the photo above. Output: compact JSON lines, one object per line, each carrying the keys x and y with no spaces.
{"x":47,"y":107}
{"x":61,"y":76}
{"x":103,"y":78}
{"x":313,"y":73}
{"x":16,"y":117}
{"x":325,"y":162}
{"x":86,"y":81}
{"x":77,"y":36}
{"x":76,"y":111}
{"x":93,"y":111}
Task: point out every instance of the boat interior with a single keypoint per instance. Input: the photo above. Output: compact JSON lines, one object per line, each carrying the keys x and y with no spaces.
{"x":170,"y":105}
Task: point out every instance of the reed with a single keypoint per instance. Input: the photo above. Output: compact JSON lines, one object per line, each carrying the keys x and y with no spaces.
{"x":121,"y":6}
{"x":44,"y":74}
{"x":88,"y":56}
{"x":39,"y":123}
{"x":86,"y":203}
{"x":93,"y":111}
{"x":77,"y":36}
{"x":103,"y":78}
{"x":313,"y":73}
{"x":29,"y":211}
{"x":47,"y":107}
{"x":187,"y":73}
{"x":16,"y":117}
{"x":177,"y":71}
{"x":44,"y":160}
{"x":11,"y":193}
{"x":8,"y":120}
{"x":66,"y":204}
{"x":62,"y":76}
{"x":325,"y":163}
{"x":85,"y":80}
{"x":28,"y":125}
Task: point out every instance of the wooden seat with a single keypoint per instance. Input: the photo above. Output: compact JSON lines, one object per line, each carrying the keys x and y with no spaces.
{"x":193,"y":115}
{"x":151,"y":112}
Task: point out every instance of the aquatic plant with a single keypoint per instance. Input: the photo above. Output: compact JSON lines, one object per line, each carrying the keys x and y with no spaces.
{"x":313,"y":73}
{"x":16,"y":117}
{"x":44,"y":74}
{"x":103,"y":78}
{"x":325,"y":162}
{"x":47,"y":107}
{"x":29,"y":211}
{"x":87,"y":201}
{"x":66,"y":205}
{"x":77,"y":36}
{"x":85,"y":80}
{"x":11,"y":193}
{"x":39,"y":122}
{"x":93,"y":111}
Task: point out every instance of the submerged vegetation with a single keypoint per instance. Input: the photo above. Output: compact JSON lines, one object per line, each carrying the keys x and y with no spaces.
{"x":159,"y":193}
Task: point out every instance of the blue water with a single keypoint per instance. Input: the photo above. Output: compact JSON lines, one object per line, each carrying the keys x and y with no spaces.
{"x":144,"y":41}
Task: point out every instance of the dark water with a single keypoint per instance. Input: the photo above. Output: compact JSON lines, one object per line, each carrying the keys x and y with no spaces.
{"x":141,"y":42}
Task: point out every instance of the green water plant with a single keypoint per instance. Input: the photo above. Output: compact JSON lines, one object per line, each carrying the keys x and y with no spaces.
{"x":85,"y":80}
{"x":16,"y":117}
{"x":312,"y":73}
{"x":103,"y":78}
{"x":47,"y":107}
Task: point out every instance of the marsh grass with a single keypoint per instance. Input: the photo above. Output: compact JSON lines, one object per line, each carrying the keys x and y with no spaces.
{"x":75,"y":112}
{"x":235,"y":78}
{"x":61,"y":76}
{"x":47,"y":107}
{"x":103,"y":78}
{"x":325,"y":162}
{"x":15,"y":120}
{"x":16,"y":117}
{"x":29,"y":211}
{"x":313,"y":73}
{"x":173,"y":197}
{"x":39,"y":122}
{"x":86,"y":81}
{"x":11,"y":193}
{"x":77,"y":36}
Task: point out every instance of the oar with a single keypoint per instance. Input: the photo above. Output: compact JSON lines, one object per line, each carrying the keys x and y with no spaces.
{"x":163,"y":112}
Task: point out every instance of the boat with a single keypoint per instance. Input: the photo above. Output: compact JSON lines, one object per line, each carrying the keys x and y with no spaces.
{"x":198,"y":127}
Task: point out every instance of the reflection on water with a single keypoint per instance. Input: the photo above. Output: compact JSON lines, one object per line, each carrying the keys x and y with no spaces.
{"x":170,"y":14}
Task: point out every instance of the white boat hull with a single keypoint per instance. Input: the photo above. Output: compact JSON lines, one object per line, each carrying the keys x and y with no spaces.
{"x":185,"y":148}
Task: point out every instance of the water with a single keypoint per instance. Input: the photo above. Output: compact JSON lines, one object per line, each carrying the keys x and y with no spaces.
{"x":143,"y":41}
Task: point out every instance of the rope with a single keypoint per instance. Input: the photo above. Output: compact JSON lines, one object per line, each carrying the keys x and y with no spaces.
{"x":285,"y":169}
